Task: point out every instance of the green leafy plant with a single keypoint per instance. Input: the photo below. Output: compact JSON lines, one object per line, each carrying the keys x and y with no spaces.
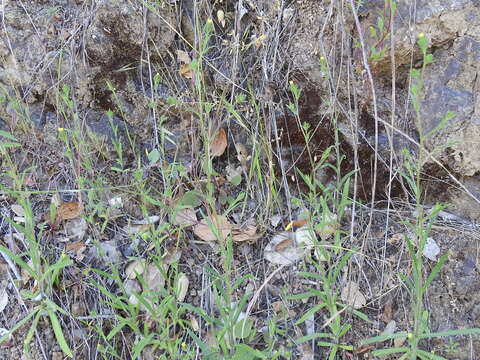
{"x":44,"y":275}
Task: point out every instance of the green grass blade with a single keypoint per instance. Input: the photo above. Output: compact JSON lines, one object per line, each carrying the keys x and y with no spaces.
{"x":390,"y":351}
{"x":7,"y":135}
{"x":31,"y":332}
{"x":382,"y":338}
{"x":57,"y":329}
{"x":474,"y":331}
{"x":436,"y":269}
{"x":310,"y":312}
{"x":306,"y":338}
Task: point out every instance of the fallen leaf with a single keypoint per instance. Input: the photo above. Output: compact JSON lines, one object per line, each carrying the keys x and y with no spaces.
{"x":395,"y":238}
{"x":76,"y":228}
{"x":182,"y":287}
{"x":154,"y":277}
{"x":138,"y":226}
{"x":248,"y":233}
{"x":134,"y":229}
{"x":184,"y":217}
{"x":352,"y":296}
{"x":304,"y":235}
{"x":234,"y":174}
{"x":69,"y":210}
{"x":3,"y":298}
{"x":387,"y":313}
{"x":431,"y":249}
{"x":74,"y":246}
{"x":183,"y":57}
{"x":135,"y":268}
{"x":213,"y":229}
{"x":18,"y":210}
{"x":295,"y":224}
{"x":150,"y":220}
{"x":397,"y":342}
{"x":186,"y":71}
{"x":219,"y":143}
{"x":194,"y":323}
{"x":115,"y":202}
{"x":131,"y":288}
{"x":172,"y":255}
{"x":390,"y":328}
{"x":221,"y":17}
{"x":282,"y":245}
{"x":283,"y":250}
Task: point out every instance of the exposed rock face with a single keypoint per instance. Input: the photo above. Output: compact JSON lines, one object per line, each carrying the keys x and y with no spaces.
{"x":451,"y":82}
{"x":119,"y":30}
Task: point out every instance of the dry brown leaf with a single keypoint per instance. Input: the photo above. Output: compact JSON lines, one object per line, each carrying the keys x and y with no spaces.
{"x":390,"y":328}
{"x":138,"y":226}
{"x":18,"y":210}
{"x":283,"y":250}
{"x":69,"y":210}
{"x":76,"y":228}
{"x":183,"y":57}
{"x":182,"y":287}
{"x":399,"y":341}
{"x":186,"y":71}
{"x":194,"y":323}
{"x":135,"y":268}
{"x":133,"y":229}
{"x":212,"y":229}
{"x":221,"y":17}
{"x":248,"y":233}
{"x":219,"y":143}
{"x":305,"y":236}
{"x":387,"y":313}
{"x":149,"y":220}
{"x":132,"y":287}
{"x":396,"y":238}
{"x":352,"y":296}
{"x":283,"y":244}
{"x":74,"y":246}
{"x":3,"y":298}
{"x":172,"y":255}
{"x":185,"y":217}
{"x":296,"y":224}
{"x":154,"y":277}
